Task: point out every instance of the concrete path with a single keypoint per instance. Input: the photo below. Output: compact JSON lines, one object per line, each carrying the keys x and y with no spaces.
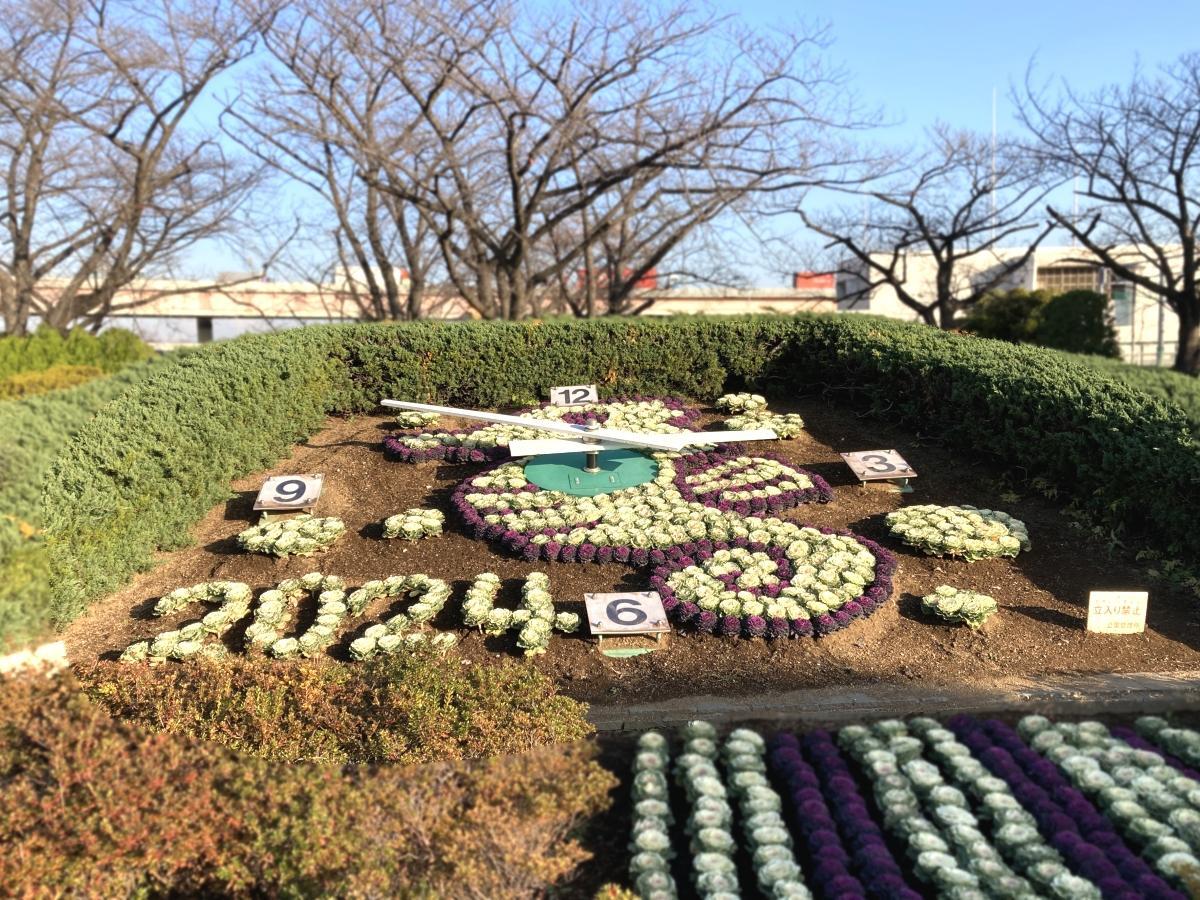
{"x":1102,"y":694}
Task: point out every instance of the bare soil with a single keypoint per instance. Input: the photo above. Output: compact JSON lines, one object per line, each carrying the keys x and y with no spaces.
{"x":1039,"y":630}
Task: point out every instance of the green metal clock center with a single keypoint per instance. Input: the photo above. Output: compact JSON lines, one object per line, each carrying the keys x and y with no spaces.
{"x":564,"y":472}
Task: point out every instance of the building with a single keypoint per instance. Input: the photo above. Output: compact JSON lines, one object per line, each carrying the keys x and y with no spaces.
{"x":1147,"y":330}
{"x":175,"y":313}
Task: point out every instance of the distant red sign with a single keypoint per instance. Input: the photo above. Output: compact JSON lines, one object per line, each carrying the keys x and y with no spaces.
{"x":813,"y":281}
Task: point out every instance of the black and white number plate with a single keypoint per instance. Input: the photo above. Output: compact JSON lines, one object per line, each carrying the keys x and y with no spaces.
{"x":878,"y":465}
{"x":574,"y":395}
{"x":630,"y":612}
{"x":290,"y":492}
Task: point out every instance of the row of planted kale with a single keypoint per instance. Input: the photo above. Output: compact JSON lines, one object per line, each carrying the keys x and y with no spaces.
{"x":902,"y":809}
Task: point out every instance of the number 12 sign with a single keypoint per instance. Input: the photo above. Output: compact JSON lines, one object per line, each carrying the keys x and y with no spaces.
{"x":290,"y":492}
{"x":573,"y":395}
{"x":637,"y":612}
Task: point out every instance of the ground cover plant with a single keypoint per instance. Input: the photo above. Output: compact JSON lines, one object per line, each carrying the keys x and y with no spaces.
{"x":1039,"y":412}
{"x":406,"y":708}
{"x":973,"y":808}
{"x":97,"y":807}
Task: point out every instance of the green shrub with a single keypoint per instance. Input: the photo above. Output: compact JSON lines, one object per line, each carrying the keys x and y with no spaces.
{"x":55,"y":378}
{"x":1173,"y":388}
{"x":1011,"y":316}
{"x":101,"y":808}
{"x":408,"y":708}
{"x":1078,"y":322}
{"x":109,"y":351}
{"x":138,"y":476}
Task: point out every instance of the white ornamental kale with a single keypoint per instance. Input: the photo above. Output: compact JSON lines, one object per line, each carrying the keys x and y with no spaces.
{"x":766,"y":835}
{"x":954,"y":605}
{"x":960,"y":531}
{"x":714,"y":871}
{"x":299,"y":536}
{"x":650,"y":842}
{"x":829,"y":570}
{"x":411,"y":418}
{"x":191,"y":640}
{"x":430,"y":596}
{"x":414,"y":524}
{"x":535,"y":619}
{"x":741,"y":403}
{"x":786,"y":425}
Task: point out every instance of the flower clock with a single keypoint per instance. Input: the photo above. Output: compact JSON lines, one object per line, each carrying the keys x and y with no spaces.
{"x":703,"y":518}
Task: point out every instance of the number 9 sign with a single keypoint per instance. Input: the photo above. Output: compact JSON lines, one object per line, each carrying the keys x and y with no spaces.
{"x":634,"y":612}
{"x":290,"y":492}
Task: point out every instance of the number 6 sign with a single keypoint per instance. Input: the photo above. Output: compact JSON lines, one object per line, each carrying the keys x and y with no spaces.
{"x":635,"y":612}
{"x":290,"y":492}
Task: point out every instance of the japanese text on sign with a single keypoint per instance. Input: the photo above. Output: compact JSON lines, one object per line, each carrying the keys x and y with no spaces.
{"x":1117,"y":612}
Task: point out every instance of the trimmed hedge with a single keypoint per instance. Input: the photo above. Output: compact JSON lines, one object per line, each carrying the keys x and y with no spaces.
{"x":109,"y":351}
{"x":1168,"y":385}
{"x":55,"y":378}
{"x":139,"y":475}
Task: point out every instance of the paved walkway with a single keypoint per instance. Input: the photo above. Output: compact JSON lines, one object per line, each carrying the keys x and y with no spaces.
{"x":1062,"y":695}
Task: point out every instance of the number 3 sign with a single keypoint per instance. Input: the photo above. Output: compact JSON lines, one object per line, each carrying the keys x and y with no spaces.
{"x":878,"y":465}
{"x":638,"y":612}
{"x":290,"y":492}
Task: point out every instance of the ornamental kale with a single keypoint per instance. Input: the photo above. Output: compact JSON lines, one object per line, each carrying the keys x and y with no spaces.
{"x":303,"y":535}
{"x":954,"y":605}
{"x":961,"y":531}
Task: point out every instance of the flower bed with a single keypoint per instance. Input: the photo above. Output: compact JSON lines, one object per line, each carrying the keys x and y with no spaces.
{"x":974,"y":810}
{"x":694,"y":497}
{"x":965,"y":607}
{"x":960,"y":531}
{"x":302,"y":535}
{"x":490,"y":443}
{"x":799,"y":581}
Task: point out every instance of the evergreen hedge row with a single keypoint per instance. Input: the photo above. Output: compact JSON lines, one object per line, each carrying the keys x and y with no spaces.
{"x":139,"y":475}
{"x":108,"y":351}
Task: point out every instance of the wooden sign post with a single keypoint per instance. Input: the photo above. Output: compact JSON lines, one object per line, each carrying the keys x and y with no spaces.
{"x":288,"y":492}
{"x":574,"y":395}
{"x":626,"y":613}
{"x":1117,"y":612}
{"x":880,"y":465}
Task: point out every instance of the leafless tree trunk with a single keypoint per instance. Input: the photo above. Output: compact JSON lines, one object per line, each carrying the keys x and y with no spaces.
{"x":1136,"y":149}
{"x":106,"y":181}
{"x":951,"y":203}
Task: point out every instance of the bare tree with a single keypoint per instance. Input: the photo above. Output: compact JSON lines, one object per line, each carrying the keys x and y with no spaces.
{"x":309,"y":115}
{"x":105,"y":180}
{"x":526,"y":144}
{"x":970,"y":210}
{"x":1137,"y":150}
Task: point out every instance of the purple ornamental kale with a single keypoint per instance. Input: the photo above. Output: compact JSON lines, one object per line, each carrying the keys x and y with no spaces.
{"x":756,"y":626}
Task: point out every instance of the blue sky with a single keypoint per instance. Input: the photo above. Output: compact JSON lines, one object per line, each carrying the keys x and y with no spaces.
{"x":937,"y":59}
